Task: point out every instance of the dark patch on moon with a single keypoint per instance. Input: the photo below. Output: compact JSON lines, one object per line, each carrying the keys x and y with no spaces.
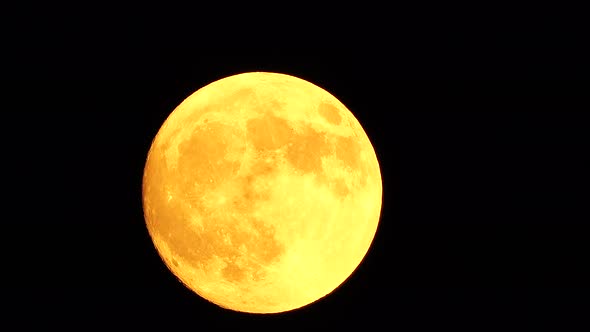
{"x":251,"y":186}
{"x":330,"y":113}
{"x":339,"y":187}
{"x":305,"y":151}
{"x":232,"y":271}
{"x":203,"y":155}
{"x":269,"y":132}
{"x":348,"y":150}
{"x":260,"y":249}
{"x":237,"y":98}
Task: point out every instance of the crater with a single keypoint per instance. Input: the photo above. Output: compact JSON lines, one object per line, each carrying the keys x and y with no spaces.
{"x":174,"y":262}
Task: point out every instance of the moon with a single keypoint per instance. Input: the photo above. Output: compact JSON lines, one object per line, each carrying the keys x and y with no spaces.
{"x":261,"y":192}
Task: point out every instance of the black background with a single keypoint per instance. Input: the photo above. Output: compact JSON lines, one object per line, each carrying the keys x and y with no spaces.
{"x":480,"y":128}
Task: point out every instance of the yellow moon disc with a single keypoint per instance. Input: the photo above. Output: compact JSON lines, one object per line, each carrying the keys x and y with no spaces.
{"x":262,"y":192}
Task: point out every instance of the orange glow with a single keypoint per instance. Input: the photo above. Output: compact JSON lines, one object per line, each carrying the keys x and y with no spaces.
{"x":262,"y":192}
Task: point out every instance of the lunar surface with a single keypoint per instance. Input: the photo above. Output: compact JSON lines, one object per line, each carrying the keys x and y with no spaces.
{"x":262,"y":192}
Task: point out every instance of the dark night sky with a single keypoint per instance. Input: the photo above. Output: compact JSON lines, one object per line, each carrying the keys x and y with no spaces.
{"x":480,"y":134}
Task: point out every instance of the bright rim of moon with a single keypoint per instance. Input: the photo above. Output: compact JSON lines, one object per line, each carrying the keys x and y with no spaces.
{"x":262,"y":192}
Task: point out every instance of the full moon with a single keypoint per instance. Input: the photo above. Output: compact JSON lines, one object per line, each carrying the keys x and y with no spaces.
{"x":262,"y":192}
